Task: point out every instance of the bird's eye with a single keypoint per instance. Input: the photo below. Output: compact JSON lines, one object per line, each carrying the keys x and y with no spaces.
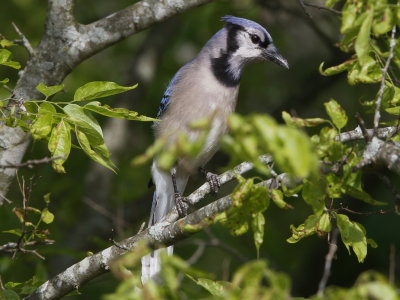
{"x":255,"y":38}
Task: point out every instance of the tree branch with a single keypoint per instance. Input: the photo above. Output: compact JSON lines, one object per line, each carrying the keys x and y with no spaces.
{"x":357,"y":134}
{"x":64,"y":45}
{"x":321,"y":7}
{"x":380,"y":151}
{"x":30,"y":163}
{"x":328,"y":261}
{"x":163,"y":233}
{"x":385,"y":69}
{"x":133,"y":19}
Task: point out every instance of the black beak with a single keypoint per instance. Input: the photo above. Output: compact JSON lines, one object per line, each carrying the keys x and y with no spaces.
{"x":272,"y":54}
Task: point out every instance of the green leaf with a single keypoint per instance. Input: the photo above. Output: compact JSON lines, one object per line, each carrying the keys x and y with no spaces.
{"x":314,"y":194}
{"x":46,"y":198}
{"x":257,"y":225}
{"x":337,"y":69}
{"x":86,"y":147}
{"x":309,"y":227}
{"x":6,"y":43}
{"x":285,"y":144}
{"x":121,"y":113}
{"x":349,"y":15}
{"x":215,"y":288}
{"x":88,"y":125}
{"x":17,"y":231}
{"x":277,"y":198}
{"x":248,"y":199}
{"x":43,"y":124}
{"x":46,"y":216}
{"x":362,"y":44}
{"x":325,"y":223}
{"x":4,"y":81}
{"x":385,"y":23}
{"x":9,"y":295}
{"x":393,"y":110}
{"x":49,"y":90}
{"x":353,"y":235}
{"x":359,"y":194}
{"x":99,"y":89}
{"x":336,"y":113}
{"x":5,"y":59}
{"x":60,"y":145}
{"x":298,"y":122}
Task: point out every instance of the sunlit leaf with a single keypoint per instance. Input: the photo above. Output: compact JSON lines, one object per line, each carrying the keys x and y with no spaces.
{"x":49,"y":90}
{"x":4,"y":81}
{"x":385,"y":23}
{"x":16,"y":231}
{"x":5,"y":59}
{"x":277,"y":198}
{"x":46,"y":216}
{"x":309,"y":227}
{"x":6,"y":43}
{"x":215,"y":288}
{"x":257,"y":225}
{"x":60,"y":145}
{"x":121,"y":113}
{"x":86,"y":147}
{"x":100,"y":89}
{"x":337,"y":69}
{"x":298,"y":122}
{"x":362,"y":43}
{"x":353,"y":236}
{"x":336,"y":113}
{"x":44,"y":122}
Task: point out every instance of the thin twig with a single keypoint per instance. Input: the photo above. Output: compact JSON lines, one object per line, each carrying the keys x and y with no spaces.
{"x":335,"y":11}
{"x":357,"y":134}
{"x":385,"y":69}
{"x":5,"y":198}
{"x":369,"y":213}
{"x":361,"y":124}
{"x":31,"y":163}
{"x":328,"y":261}
{"x":303,"y":5}
{"x":14,"y":248}
{"x":24,"y":41}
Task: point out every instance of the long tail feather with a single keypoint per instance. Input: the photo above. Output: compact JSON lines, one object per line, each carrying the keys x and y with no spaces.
{"x":163,"y":202}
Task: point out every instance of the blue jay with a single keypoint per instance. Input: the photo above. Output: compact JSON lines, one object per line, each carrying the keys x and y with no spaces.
{"x":206,"y":87}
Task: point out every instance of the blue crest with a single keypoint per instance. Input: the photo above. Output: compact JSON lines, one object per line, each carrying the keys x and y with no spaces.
{"x":244,"y":23}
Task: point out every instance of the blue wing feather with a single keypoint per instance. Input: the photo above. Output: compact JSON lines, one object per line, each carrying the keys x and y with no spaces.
{"x":166,"y":97}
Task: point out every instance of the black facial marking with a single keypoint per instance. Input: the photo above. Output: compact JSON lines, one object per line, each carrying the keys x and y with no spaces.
{"x":266,"y":42}
{"x":220,"y":68}
{"x":220,"y":65}
{"x":232,"y":43}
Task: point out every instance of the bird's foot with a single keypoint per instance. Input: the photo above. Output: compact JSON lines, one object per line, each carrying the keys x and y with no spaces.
{"x":182,"y":205}
{"x":213,"y":181}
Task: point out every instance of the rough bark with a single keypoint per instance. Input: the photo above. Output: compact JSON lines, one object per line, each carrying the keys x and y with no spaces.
{"x":64,"y":45}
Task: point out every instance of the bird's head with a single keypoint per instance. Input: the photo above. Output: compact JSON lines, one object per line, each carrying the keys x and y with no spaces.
{"x":248,"y":41}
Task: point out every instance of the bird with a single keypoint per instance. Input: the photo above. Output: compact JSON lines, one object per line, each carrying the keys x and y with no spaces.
{"x":205,"y":87}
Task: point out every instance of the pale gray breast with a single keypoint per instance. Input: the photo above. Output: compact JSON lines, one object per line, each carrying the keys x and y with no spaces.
{"x":196,"y":95}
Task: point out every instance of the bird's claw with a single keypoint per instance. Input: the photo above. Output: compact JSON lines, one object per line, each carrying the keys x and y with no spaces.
{"x":182,"y":205}
{"x":213,"y":181}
